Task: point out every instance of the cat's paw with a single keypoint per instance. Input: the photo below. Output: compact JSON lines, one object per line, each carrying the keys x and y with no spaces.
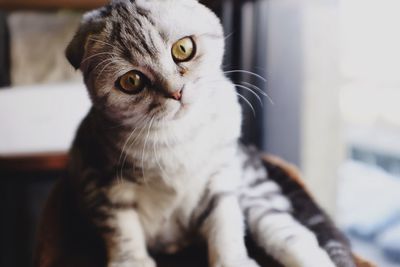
{"x":145,"y":262}
{"x":239,"y":263}
{"x":305,"y":252}
{"x":310,"y":260}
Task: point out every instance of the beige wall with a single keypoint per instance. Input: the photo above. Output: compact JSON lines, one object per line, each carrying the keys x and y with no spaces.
{"x":38,"y":41}
{"x":322,"y":142}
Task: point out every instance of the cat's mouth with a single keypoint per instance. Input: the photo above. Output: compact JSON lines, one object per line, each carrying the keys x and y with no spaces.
{"x":175,"y":110}
{"x":181,"y":111}
{"x":176,"y":106}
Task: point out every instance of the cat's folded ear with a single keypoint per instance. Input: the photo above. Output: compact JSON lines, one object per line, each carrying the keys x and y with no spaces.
{"x":92,"y":23}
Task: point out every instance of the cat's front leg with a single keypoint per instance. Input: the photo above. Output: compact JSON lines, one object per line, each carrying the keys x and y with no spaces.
{"x":126,"y":242}
{"x":285,"y":239}
{"x":114,"y":213}
{"x":224,"y":232}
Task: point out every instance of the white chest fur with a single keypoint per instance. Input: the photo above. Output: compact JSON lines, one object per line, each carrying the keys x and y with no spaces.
{"x":176,"y":164}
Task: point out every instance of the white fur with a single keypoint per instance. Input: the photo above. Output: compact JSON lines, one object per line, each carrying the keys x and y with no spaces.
{"x":288,"y":241}
{"x":180,"y":150}
{"x":133,"y":241}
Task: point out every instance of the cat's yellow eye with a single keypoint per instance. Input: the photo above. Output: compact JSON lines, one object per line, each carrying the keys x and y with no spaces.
{"x":184,"y":50}
{"x":132,"y":82}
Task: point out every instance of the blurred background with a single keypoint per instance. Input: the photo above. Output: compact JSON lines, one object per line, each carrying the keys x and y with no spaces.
{"x":332,"y":70}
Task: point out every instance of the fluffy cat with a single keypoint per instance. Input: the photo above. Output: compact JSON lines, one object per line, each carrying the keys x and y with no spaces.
{"x":157,"y":163}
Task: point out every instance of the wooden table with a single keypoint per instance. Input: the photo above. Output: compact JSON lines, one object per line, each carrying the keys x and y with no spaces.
{"x":45,"y":162}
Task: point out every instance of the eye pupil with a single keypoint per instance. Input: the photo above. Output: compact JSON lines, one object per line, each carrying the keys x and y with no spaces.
{"x":184,"y":50}
{"x":132,"y":82}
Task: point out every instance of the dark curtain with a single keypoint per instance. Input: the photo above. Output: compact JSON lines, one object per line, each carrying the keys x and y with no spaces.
{"x":4,"y":52}
{"x":245,"y":54}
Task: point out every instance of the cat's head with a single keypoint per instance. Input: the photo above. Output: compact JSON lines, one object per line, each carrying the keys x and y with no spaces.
{"x":148,"y":59}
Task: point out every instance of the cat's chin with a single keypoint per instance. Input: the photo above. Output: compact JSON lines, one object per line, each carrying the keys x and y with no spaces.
{"x":175,"y":110}
{"x":183,"y":110}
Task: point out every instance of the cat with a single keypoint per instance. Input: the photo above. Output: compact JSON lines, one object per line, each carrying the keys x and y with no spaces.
{"x":157,"y":163}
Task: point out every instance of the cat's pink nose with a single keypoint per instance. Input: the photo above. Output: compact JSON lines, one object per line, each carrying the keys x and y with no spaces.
{"x":177,"y":95}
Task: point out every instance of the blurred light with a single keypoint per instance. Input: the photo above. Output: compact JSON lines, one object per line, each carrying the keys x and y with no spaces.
{"x":370,"y":62}
{"x":358,"y":105}
{"x":365,"y":105}
{"x":391,"y":109}
{"x":371,"y":40}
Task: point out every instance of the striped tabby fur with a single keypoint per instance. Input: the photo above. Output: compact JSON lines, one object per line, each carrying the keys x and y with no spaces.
{"x":153,"y":174}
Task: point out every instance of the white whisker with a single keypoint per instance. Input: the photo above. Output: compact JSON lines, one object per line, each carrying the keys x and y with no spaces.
{"x":103,"y":42}
{"x":103,"y":62}
{"x":251,"y":91}
{"x":105,"y":67}
{"x":166,"y":140}
{"x":144,"y":147}
{"x":228,"y":36}
{"x":247,"y":72}
{"x":141,"y":122}
{"x":157,"y":156}
{"x":122,"y":153}
{"x":98,"y":54}
{"x":248,"y":102}
{"x":261,"y":91}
